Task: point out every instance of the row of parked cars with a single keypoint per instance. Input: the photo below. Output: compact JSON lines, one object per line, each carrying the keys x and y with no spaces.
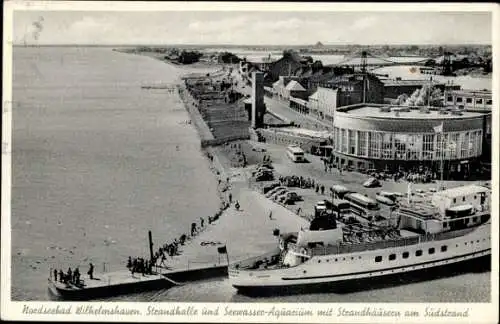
{"x":282,"y":195}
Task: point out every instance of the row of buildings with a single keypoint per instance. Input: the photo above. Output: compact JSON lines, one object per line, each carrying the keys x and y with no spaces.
{"x":369,"y":133}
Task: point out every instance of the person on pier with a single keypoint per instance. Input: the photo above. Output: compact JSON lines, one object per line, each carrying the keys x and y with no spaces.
{"x":91,"y":271}
{"x":76,"y":276}
{"x":61,"y":275}
{"x":69,"y":275}
{"x":55,"y":275}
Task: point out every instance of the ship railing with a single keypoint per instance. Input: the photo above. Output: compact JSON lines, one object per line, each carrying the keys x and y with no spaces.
{"x":446,"y":235}
{"x":343,"y":248}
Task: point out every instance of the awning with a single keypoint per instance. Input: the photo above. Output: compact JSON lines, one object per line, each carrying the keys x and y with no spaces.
{"x":461,"y":208}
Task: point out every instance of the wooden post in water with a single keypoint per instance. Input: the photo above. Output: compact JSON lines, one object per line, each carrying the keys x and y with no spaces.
{"x":150,"y":236}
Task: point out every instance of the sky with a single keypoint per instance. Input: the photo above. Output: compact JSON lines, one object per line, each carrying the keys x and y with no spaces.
{"x":251,"y":28}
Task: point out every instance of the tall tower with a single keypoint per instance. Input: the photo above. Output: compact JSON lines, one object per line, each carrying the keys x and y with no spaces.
{"x":364,"y":63}
{"x":258,"y":106}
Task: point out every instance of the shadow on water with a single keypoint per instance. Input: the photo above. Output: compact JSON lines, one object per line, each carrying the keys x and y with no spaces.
{"x":480,"y":265}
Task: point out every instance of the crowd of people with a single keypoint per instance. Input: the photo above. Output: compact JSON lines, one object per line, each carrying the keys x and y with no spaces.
{"x":159,"y":259}
{"x":296,"y":181}
{"x":72,"y":276}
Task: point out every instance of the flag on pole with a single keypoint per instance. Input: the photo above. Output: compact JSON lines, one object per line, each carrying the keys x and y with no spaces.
{"x":438,"y":128}
{"x":409,"y":192}
{"x":222,"y":249}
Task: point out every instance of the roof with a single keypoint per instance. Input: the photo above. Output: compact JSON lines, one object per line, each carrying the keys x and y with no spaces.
{"x":369,"y":111}
{"x":392,"y":82}
{"x":294,"y":86}
{"x":306,"y":132}
{"x":462,"y":191}
{"x":259,"y":60}
{"x":466,"y":92}
{"x":315,"y":95}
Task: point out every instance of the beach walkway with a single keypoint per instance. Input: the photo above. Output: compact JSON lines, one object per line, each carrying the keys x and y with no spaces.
{"x":247,"y":232}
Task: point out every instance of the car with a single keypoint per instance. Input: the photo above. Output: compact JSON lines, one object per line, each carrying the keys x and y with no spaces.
{"x":267,"y":165}
{"x":259,"y":149}
{"x":269,"y":187}
{"x":384,"y":200}
{"x":275,"y":190}
{"x":279,"y":193}
{"x":391,"y":195}
{"x":371,"y":183}
{"x":264,"y":176}
{"x":292,"y":196}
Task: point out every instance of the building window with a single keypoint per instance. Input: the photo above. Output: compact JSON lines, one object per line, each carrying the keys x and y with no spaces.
{"x":479,"y":101}
{"x":459,"y":99}
{"x":418,"y":253}
{"x":445,"y":224}
{"x":454,"y":200}
{"x":463,"y":198}
{"x":444,"y":248}
{"x":362,"y":141}
{"x":450,"y":99}
{"x":352,"y":141}
{"x":489,"y":102}
{"x":344,"y":140}
{"x":378,"y":258}
{"x":392,"y":257}
{"x":406,"y":255}
{"x":468,"y":100}
{"x":432,"y":250}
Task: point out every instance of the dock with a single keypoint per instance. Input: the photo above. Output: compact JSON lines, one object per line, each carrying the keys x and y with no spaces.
{"x":123,"y":282}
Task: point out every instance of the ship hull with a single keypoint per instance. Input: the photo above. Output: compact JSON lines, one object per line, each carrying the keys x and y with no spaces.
{"x":476,"y":265}
{"x":365,"y":267}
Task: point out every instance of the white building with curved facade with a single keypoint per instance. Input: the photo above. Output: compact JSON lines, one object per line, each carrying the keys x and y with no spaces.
{"x":369,"y":136}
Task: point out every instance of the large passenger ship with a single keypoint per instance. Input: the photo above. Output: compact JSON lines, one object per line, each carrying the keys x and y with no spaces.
{"x":450,"y":230}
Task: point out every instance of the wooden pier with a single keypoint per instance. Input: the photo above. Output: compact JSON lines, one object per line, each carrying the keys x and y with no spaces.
{"x":123,"y":282}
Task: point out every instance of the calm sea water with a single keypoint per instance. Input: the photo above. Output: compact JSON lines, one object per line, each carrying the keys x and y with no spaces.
{"x":98,"y":161}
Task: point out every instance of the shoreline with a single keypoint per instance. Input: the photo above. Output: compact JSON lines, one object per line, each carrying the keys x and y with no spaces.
{"x":159,"y":56}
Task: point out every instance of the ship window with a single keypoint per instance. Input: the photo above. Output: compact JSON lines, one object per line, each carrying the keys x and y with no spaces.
{"x":418,"y":253}
{"x":336,"y":260}
{"x":465,"y":243}
{"x":406,"y":255}
{"x":392,"y":257}
{"x":454,"y":200}
{"x":378,"y":258}
{"x":431,"y":250}
{"x":444,"y":248}
{"x":319,"y":261}
{"x":463,"y":198}
{"x":343,"y":259}
{"x":352,"y":258}
{"x":477,"y":241}
{"x":475,"y":197}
